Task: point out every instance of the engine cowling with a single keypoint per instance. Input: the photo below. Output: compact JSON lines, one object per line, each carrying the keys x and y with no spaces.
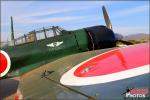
{"x":100,"y":37}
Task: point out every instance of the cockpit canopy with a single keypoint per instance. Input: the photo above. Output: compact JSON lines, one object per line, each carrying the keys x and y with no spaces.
{"x":39,"y":34}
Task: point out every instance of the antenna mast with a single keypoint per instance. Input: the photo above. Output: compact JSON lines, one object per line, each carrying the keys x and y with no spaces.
{"x":12,"y":33}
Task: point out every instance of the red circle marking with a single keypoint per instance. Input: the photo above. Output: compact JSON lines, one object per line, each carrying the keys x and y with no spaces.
{"x":115,"y":61}
{"x":3,"y":63}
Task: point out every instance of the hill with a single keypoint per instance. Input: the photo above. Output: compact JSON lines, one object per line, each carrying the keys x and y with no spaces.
{"x":139,"y":36}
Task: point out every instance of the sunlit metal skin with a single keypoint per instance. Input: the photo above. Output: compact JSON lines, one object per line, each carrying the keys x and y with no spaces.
{"x":110,"y":66}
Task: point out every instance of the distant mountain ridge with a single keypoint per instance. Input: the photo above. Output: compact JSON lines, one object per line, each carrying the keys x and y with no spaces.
{"x":137,"y":36}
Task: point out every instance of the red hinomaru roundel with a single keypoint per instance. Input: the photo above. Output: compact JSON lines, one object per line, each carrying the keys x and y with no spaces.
{"x":5,"y":63}
{"x":110,"y":66}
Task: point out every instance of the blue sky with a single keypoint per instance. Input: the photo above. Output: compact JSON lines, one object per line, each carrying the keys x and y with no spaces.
{"x":127,"y":17}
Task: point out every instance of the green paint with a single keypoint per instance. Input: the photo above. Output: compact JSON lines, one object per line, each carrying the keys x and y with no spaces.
{"x":41,"y":87}
{"x":26,"y":57}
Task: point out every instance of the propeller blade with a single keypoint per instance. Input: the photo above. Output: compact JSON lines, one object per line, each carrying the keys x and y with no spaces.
{"x":106,"y":17}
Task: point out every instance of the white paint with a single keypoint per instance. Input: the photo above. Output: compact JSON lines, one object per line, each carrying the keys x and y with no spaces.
{"x":70,"y":79}
{"x":54,"y":44}
{"x":8,"y":63}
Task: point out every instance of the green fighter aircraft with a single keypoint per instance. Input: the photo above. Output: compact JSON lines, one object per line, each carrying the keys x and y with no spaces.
{"x":83,"y":64}
{"x":40,"y":47}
